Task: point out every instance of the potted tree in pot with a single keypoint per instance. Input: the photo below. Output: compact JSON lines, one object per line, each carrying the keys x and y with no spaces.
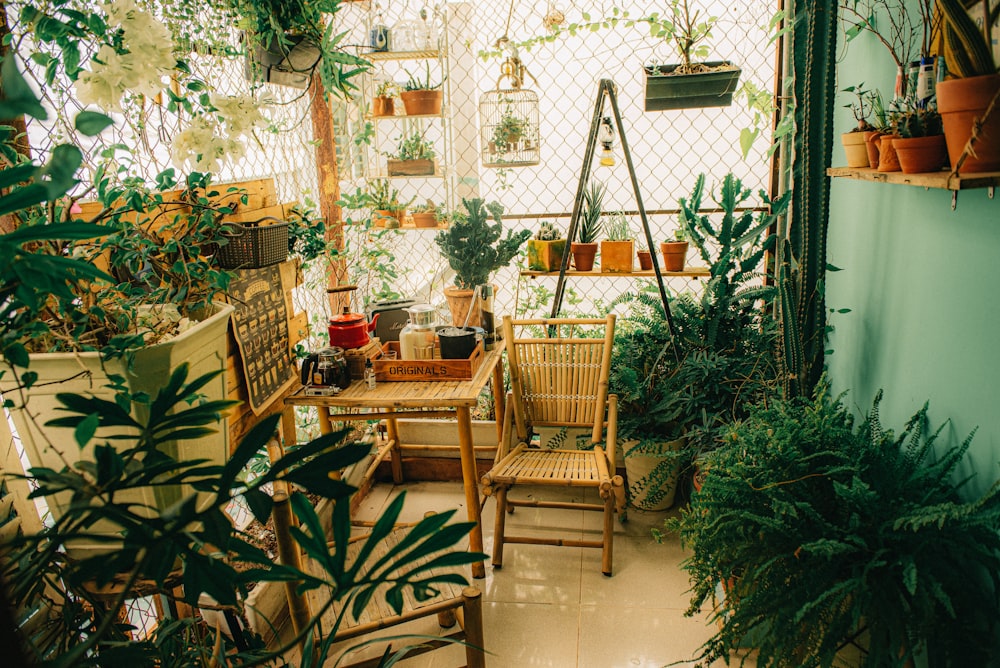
{"x":584,"y":248}
{"x":688,"y":84}
{"x":618,"y":246}
{"x":475,"y":248}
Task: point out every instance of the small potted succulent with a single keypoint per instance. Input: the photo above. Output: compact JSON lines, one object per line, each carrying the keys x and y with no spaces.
{"x":674,"y":252}
{"x":618,"y":247}
{"x":584,"y":249}
{"x":384,"y":102}
{"x":545,"y":250}
{"x":919,"y":143}
{"x":425,"y":215}
{"x":421,"y":97}
{"x":414,"y":157}
{"x":387,"y":208}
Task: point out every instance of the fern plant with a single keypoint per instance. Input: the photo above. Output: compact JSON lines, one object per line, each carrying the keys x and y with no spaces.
{"x":827,"y":533}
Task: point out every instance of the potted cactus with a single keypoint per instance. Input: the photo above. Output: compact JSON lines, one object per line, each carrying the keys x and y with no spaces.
{"x":425,"y":215}
{"x":384,"y":102}
{"x":545,"y":250}
{"x":618,"y":247}
{"x":675,"y":252}
{"x":421,"y":97}
{"x":920,"y":145}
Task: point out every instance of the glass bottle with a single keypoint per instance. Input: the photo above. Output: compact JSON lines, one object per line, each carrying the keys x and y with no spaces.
{"x":369,"y":374}
{"x":486,"y":316}
{"x":416,"y":339}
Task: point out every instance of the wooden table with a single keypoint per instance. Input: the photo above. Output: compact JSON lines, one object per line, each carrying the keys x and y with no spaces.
{"x":392,"y":400}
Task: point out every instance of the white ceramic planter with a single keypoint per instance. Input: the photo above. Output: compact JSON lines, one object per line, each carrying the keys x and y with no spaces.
{"x":203,"y":347}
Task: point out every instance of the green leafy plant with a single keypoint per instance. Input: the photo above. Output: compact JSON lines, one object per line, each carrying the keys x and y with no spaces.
{"x":509,"y":130}
{"x":415,"y":147}
{"x":414,"y":82}
{"x":193,"y":543}
{"x":861,"y":107}
{"x":616,"y":227}
{"x":967,"y":50}
{"x":474,"y":247}
{"x":589,"y":228}
{"x":382,"y":196}
{"x":387,"y":88}
{"x":828,"y":533}
{"x":686,"y":29}
{"x":679,"y":235}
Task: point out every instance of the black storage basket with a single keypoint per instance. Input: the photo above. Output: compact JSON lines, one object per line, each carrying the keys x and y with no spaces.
{"x":254,"y":245}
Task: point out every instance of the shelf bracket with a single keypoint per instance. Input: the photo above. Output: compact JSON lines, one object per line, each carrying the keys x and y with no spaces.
{"x":989,"y":191}
{"x":606,"y":93}
{"x":954,"y":199}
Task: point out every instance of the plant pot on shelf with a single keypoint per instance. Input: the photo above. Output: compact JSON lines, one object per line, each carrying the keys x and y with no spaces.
{"x":960,"y":102}
{"x":545,"y":255}
{"x":383,"y":106}
{"x":674,"y":255}
{"x":421,"y":102}
{"x":918,"y":155}
{"x":888,"y":161}
{"x":652,"y":469}
{"x":410,"y":167}
{"x":645,"y":259}
{"x":855,"y":148}
{"x":424,"y":219}
{"x":583,"y":256}
{"x":711,"y":88}
{"x":872,"y":140}
{"x":203,"y":347}
{"x":617,"y":257}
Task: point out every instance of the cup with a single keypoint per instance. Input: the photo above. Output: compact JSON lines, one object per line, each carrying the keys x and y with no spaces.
{"x":389,"y":356}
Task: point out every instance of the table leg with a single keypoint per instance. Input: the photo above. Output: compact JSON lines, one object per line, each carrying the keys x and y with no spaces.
{"x":499,"y":398}
{"x":470,"y":480}
{"x":396,"y":463}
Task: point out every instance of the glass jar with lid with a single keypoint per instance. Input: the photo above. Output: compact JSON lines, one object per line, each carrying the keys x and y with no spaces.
{"x":416,"y":339}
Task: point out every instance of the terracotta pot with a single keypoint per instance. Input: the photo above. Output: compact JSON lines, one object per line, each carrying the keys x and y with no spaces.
{"x":645,"y":260}
{"x":459,"y":303}
{"x":421,"y":102}
{"x":921,"y":154}
{"x":424,"y":219}
{"x":583,"y":256}
{"x":887,"y":160}
{"x":617,"y":257}
{"x":960,"y":101}
{"x":380,"y":216}
{"x":872,"y":140}
{"x":674,"y":255}
{"x":854,"y":147}
{"x":383,"y":106}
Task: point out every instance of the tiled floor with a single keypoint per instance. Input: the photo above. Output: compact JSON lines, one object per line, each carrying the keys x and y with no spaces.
{"x":551,"y":606}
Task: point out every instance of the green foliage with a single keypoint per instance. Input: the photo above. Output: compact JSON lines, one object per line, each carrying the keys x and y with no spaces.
{"x":509,"y":130}
{"x":827,"y":532}
{"x":193,"y":543}
{"x":589,"y":228}
{"x":911,"y":121}
{"x":967,"y":51}
{"x":685,"y":29}
{"x":616,"y":227}
{"x":861,"y":107}
{"x":475,"y":248}
{"x":381,"y":195}
{"x":414,"y":147}
{"x":307,"y":234}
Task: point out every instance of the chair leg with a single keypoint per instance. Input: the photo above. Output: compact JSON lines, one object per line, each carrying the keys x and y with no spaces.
{"x":475,"y":654}
{"x":498,"y":527}
{"x":446,"y":619}
{"x":609,"y":534}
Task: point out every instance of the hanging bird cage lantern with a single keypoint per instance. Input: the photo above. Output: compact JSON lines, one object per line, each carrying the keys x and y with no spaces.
{"x":508,"y":120}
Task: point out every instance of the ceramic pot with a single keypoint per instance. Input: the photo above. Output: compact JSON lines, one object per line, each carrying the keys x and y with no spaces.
{"x":872,"y":140}
{"x":383,"y":106}
{"x":652,"y":470}
{"x":960,"y":101}
{"x":918,"y":155}
{"x":617,"y":257}
{"x":674,"y":255}
{"x":645,"y":260}
{"x":855,"y":149}
{"x":421,"y":102}
{"x":545,"y":255}
{"x":583,"y":256}
{"x":424,"y":219}
{"x":887,"y":159}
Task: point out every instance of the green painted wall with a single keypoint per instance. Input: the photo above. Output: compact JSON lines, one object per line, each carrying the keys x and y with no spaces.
{"x":923,"y":285}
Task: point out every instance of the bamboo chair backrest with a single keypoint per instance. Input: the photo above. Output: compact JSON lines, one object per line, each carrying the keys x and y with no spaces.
{"x":559,"y":378}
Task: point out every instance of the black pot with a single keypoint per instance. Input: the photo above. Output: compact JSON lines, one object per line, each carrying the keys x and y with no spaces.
{"x":688,"y":91}
{"x":457,"y":343}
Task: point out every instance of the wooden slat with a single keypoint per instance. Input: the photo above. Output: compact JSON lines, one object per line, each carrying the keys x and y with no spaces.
{"x":942,"y":180}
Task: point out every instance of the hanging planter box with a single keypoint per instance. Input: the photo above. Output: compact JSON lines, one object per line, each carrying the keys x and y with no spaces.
{"x":411,"y":168}
{"x":289,"y":64}
{"x":713,"y":88}
{"x":545,"y":255}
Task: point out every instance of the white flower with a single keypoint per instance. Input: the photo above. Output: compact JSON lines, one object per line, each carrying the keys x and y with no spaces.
{"x":241,"y":113}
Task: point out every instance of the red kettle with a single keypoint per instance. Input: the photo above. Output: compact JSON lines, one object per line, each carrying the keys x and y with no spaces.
{"x":350,"y":330}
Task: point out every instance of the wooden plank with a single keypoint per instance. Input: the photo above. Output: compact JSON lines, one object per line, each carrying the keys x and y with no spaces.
{"x":436,"y":369}
{"x":281,"y":211}
{"x":941,"y":180}
{"x":642,"y":273}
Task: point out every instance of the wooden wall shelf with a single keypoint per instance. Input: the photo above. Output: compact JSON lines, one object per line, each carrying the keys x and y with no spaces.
{"x":942,"y":180}
{"x":696,"y":272}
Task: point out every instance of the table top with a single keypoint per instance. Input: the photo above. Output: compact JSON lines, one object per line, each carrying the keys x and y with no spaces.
{"x":409,"y":394}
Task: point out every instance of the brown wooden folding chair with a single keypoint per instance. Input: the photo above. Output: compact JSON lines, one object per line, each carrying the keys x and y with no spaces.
{"x":559,"y":379}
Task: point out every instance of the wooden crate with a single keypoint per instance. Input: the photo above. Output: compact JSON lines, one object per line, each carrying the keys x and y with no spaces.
{"x":422,"y":370}
{"x":356,"y":357}
{"x":411,"y":168}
